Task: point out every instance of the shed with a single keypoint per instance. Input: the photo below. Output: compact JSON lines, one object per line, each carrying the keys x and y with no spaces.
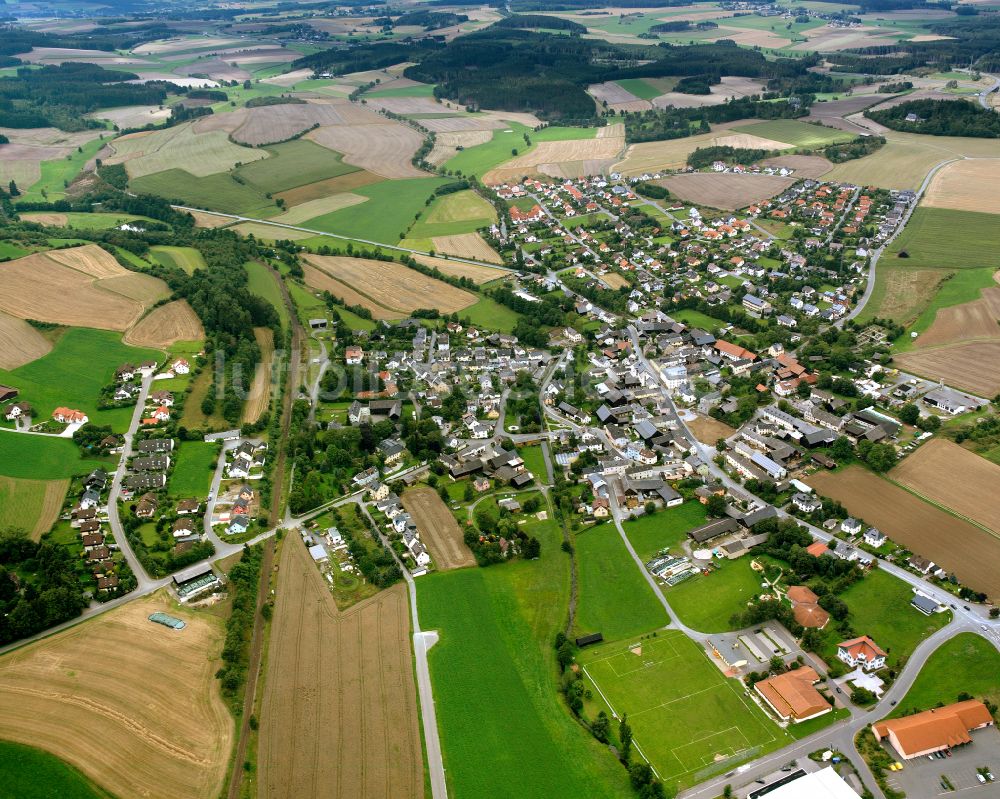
{"x":587,"y":640}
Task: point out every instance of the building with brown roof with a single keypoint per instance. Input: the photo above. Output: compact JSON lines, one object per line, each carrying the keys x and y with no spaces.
{"x":805,"y":607}
{"x":818,"y":548}
{"x":934,"y":730}
{"x":792,"y":695}
{"x":863,"y":652}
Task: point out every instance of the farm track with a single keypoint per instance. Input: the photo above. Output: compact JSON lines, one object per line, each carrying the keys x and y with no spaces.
{"x":292,"y":381}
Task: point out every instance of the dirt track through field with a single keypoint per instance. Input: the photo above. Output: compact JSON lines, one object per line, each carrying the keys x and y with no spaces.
{"x":954,"y":544}
{"x":339,"y":715}
{"x":438,"y":529}
{"x":133,"y":705}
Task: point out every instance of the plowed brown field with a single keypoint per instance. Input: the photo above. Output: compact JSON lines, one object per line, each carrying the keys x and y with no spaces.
{"x":970,"y":320}
{"x":438,"y":528}
{"x":133,"y":705}
{"x":166,"y":325}
{"x":955,"y":545}
{"x":973,"y":367}
{"x":339,"y":715}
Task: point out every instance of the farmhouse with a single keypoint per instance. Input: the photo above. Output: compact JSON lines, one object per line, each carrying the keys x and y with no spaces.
{"x":792,"y":696}
{"x":934,"y":730}
{"x":17,"y":410}
{"x":863,"y":652}
{"x":713,"y":530}
{"x":69,"y":416}
{"x":7,"y":393}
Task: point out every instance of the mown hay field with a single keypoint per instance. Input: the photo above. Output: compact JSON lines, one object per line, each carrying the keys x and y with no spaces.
{"x":186,"y":258}
{"x":943,"y":238}
{"x":298,"y":214}
{"x":725,"y":190}
{"x":467,"y":245}
{"x":954,"y":477}
{"x":378,"y":145}
{"x":166,"y":325}
{"x":293,"y":164}
{"x":322,"y":281}
{"x":438,"y":529}
{"x":20,"y":343}
{"x":199,"y":154}
{"x":339,"y":714}
{"x":31,"y":505}
{"x":133,"y":705}
{"x":954,"y":544}
{"x":972,"y":185}
{"x":82,"y":286}
{"x":797,"y":134}
{"x":392,"y":286}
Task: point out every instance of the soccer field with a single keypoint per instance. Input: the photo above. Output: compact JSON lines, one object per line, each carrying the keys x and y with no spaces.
{"x":688,"y":720}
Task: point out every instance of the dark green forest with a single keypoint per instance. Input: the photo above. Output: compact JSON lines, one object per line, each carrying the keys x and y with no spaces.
{"x":940,"y":118}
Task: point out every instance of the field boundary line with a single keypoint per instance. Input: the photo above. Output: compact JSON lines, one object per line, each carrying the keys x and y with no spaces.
{"x":680,"y":699}
{"x":598,"y":687}
{"x":944,"y":508}
{"x":743,"y":699}
{"x":707,"y":737}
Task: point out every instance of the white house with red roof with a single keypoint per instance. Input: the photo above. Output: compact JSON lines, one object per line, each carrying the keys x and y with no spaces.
{"x":861,"y":652}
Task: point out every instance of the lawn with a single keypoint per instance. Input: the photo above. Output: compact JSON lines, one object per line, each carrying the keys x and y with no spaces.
{"x":58,"y":173}
{"x":490,"y":314}
{"x":29,"y":773}
{"x":689,"y":316}
{"x":535,"y":462}
{"x":262,"y":283}
{"x":966,"y":663}
{"x":688,"y":719}
{"x":706,"y":603}
{"x":80,"y":364}
{"x":8,"y":250}
{"x":293,"y":164}
{"x":495,"y":687}
{"x":942,"y":238}
{"x":43,"y":457}
{"x":185,"y":258}
{"x":217,"y":192}
{"x":880,"y":608}
{"x":614,"y":597}
{"x":390,"y":210}
{"x":665,"y":529}
{"x":193,"y":469}
{"x":797,"y":134}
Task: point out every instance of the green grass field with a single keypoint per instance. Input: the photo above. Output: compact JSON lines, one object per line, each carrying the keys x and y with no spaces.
{"x":217,"y":192}
{"x":689,"y":316}
{"x":21,"y":503}
{"x":964,"y":285}
{"x":43,"y":457}
{"x":420,"y":90}
{"x":81,"y":363}
{"x":494,"y":678}
{"x":490,"y":314}
{"x":293,"y":164}
{"x":880,"y":608}
{"x":795,"y":133}
{"x":942,"y":238}
{"x":389,"y":212}
{"x":262,"y":284}
{"x":483,"y":157}
{"x":8,"y":250}
{"x":452,"y":214}
{"x":194,"y":465}
{"x":614,"y":597}
{"x":706,"y":603}
{"x":186,"y":258}
{"x":84,"y":221}
{"x":58,"y":173}
{"x":640,"y":88}
{"x":29,"y":773}
{"x":685,"y":715}
{"x":534,"y":461}
{"x":664,"y":529}
{"x":967,"y":663}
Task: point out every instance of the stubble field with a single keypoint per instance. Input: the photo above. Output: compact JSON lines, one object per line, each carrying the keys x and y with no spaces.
{"x":199,"y":154}
{"x":438,"y":529}
{"x":374,"y":143}
{"x":725,"y":190}
{"x":339,"y":714}
{"x":467,"y":245}
{"x":131,"y":704}
{"x":478,"y":274}
{"x":20,"y":343}
{"x":952,"y":543}
{"x":167,"y":325}
{"x":972,"y":185}
{"x":259,"y":395}
{"x":31,"y":505}
{"x":973,"y":366}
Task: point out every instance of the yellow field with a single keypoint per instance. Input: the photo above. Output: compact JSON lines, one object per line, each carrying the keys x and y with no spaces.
{"x":555,"y":153}
{"x":467,"y":245}
{"x":478,"y":274}
{"x":133,"y":705}
{"x":313,"y":208}
{"x":259,"y":396}
{"x":656,"y":155}
{"x":20,"y":343}
{"x":31,"y":505}
{"x":166,"y":325}
{"x":966,"y":186}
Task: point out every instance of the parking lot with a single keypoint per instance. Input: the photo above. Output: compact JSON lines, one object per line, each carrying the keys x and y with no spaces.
{"x":922,"y":778}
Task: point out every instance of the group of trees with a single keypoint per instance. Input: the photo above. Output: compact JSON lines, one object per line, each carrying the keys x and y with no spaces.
{"x":706,"y":156}
{"x":244,"y":586}
{"x":940,"y":118}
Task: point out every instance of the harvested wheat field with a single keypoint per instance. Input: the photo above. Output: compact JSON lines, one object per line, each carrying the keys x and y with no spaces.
{"x":718,"y":94}
{"x":467,"y":245}
{"x":955,"y":545}
{"x":200,"y":154}
{"x":310,"y":209}
{"x":373,"y":143}
{"x":804,"y":166}
{"x":974,"y":366}
{"x":388,"y":286}
{"x":133,"y":705}
{"x":748,"y":141}
{"x":669,"y":154}
{"x":949,"y":475}
{"x":133,"y":116}
{"x":617,"y":97}
{"x":339,"y":715}
{"x":91,"y":260}
{"x":462,"y":124}
{"x":970,"y":320}
{"x":261,"y":230}
{"x":41,"y":287}
{"x":558,"y":152}
{"x":446,"y":145}
{"x":476,"y":273}
{"x":725,"y":190}
{"x":408,"y":105}
{"x":274,"y":123}
{"x":325,"y":188}
{"x":205,"y":219}
{"x":438,"y":529}
{"x":966,"y":186}
{"x":259,"y":394}
{"x":321,"y":281}
{"x":166,"y":325}
{"x":52,"y":219}
{"x":20,"y":343}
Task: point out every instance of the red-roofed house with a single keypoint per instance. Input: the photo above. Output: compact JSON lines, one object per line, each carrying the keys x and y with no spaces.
{"x":69,"y":416}
{"x":734,"y":352}
{"x":863,"y":652}
{"x":817,"y":548}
